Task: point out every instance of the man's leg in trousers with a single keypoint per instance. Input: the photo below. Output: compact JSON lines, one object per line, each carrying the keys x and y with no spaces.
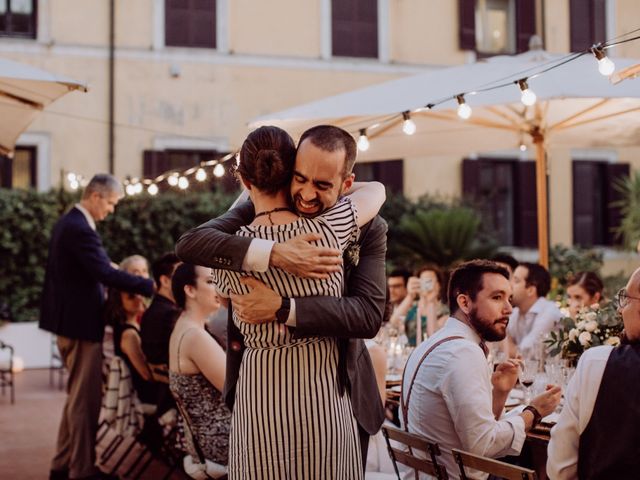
{"x":61,"y":458}
{"x":364,"y":446}
{"x":83,"y":410}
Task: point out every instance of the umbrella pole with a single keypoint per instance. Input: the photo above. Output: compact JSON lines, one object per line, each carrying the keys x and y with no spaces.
{"x":541,"y":195}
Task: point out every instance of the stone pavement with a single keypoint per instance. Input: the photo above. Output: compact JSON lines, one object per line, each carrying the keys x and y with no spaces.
{"x":28,"y":429}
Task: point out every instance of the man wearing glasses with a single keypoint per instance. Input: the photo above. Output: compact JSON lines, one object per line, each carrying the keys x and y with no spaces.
{"x":597,"y":435}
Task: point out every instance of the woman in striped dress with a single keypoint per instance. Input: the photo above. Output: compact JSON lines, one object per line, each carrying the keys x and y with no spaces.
{"x":289,"y":419}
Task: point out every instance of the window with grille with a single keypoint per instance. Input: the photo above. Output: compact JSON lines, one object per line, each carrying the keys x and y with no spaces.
{"x":18,"y":18}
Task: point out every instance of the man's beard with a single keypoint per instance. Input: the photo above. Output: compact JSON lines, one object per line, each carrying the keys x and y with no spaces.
{"x":488,"y":330}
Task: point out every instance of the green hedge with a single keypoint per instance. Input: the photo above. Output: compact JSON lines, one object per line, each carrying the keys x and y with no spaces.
{"x":142,"y":225}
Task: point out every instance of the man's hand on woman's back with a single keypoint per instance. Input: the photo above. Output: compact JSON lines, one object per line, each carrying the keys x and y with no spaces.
{"x":300,"y":257}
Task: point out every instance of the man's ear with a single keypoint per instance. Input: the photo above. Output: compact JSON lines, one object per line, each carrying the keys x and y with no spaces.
{"x":347,"y":183}
{"x":464,"y":303}
{"x":165,"y":281}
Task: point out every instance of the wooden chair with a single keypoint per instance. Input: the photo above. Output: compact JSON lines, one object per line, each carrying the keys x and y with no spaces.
{"x":489,"y":465}
{"x":406,"y":456}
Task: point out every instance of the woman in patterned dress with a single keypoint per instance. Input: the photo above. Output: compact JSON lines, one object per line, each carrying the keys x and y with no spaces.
{"x":289,"y":418}
{"x":197,"y":363}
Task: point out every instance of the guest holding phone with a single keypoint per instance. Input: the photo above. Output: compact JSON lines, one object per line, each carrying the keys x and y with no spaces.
{"x":424,"y":301}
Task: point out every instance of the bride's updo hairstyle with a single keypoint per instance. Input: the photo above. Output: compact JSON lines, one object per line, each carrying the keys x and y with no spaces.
{"x":267,"y":157}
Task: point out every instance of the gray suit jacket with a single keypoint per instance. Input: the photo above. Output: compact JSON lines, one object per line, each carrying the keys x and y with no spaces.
{"x":350,"y":318}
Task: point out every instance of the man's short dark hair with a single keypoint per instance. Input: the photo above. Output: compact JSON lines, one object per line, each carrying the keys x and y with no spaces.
{"x":539,"y":277}
{"x":506,"y":259}
{"x":164,"y":266}
{"x":400,"y":272}
{"x":467,"y":280}
{"x":330,"y":139}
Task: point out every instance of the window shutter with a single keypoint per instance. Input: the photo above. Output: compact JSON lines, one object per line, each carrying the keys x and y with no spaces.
{"x":354,"y":28}
{"x":467,"y":29}
{"x":154,"y":163}
{"x":598,"y":21}
{"x":525,"y":23}
{"x":5,"y":172}
{"x":587,"y":203}
{"x":203,"y":23}
{"x":588,"y":23}
{"x":526,"y":221}
{"x":190,"y":23}
{"x":614,"y":171}
{"x":470,"y":176}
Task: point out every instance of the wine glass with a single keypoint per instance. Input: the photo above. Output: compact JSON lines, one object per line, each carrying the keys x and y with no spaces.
{"x":528,"y":371}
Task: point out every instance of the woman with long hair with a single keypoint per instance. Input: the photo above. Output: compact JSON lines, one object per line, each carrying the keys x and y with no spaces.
{"x":197,"y":363}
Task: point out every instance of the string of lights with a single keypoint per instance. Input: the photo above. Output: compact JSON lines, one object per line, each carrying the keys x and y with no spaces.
{"x":528,"y":97}
{"x":180,"y":179}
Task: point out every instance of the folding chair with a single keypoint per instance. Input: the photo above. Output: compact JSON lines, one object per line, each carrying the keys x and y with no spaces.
{"x":6,"y":371}
{"x":406,"y":456}
{"x":491,"y":466}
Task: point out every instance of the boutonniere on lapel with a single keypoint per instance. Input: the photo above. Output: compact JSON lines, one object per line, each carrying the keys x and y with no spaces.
{"x":352,"y":255}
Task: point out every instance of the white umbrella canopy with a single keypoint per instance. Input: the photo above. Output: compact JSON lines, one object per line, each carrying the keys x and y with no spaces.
{"x":24,"y":92}
{"x":576,"y":107}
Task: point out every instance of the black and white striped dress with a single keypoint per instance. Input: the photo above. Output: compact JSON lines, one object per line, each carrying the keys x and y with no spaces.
{"x":289,"y":420}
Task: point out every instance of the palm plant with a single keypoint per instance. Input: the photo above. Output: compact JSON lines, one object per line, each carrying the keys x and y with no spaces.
{"x":629,"y":229}
{"x":442,"y":235}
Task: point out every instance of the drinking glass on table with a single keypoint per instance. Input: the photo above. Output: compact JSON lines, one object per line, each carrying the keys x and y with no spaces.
{"x":528,"y":371}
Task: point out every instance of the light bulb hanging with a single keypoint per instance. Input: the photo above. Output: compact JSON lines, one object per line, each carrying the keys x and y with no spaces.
{"x":528,"y":97}
{"x":153,"y":189}
{"x":363,"y":141}
{"x":408,"y":126}
{"x":130,"y":189}
{"x":218,"y":170}
{"x":464,"y":110}
{"x":72,"y":177}
{"x":173,"y":179}
{"x":605,"y":65}
{"x":183,"y":183}
{"x":201,"y":175}
{"x":523,"y":147}
{"x":137,"y":188}
{"x":74,"y":184}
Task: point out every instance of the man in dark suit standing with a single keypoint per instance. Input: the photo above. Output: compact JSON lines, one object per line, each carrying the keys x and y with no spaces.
{"x":356,"y":315}
{"x":77,"y":270}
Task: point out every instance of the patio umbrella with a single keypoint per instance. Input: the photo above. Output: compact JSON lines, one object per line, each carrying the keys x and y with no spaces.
{"x":24,"y":92}
{"x":576,"y":107}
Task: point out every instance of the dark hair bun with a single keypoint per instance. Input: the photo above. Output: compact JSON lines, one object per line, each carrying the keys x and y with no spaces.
{"x":266,"y":159}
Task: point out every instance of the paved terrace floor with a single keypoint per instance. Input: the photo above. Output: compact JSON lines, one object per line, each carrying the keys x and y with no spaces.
{"x":28,"y":430}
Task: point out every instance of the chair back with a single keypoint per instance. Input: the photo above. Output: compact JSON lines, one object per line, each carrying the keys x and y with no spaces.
{"x":121,"y":408}
{"x":491,"y":466}
{"x":405,"y":454}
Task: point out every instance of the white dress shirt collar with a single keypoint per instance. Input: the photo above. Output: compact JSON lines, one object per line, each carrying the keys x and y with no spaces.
{"x":87,"y":215}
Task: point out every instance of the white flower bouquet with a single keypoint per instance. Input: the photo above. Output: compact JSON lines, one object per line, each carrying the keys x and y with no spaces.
{"x":594,"y":325}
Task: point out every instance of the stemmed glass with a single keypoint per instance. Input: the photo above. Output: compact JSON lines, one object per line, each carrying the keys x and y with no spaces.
{"x":528,"y":371}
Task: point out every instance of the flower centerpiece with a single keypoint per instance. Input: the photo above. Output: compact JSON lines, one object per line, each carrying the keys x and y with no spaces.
{"x":593,"y":326}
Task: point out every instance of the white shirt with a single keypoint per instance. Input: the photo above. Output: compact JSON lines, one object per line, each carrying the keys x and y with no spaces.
{"x":528,"y":329}
{"x":579,"y":400}
{"x":87,"y":215}
{"x":452,"y":399}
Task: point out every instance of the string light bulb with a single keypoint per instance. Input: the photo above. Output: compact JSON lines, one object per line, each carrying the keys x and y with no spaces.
{"x":72,"y":177}
{"x":523,"y":147}
{"x":153,"y":189}
{"x":408,"y":126}
{"x":74,"y":184}
{"x":218,"y":170}
{"x":137,"y":188}
{"x":464,"y":110}
{"x":173,"y":179}
{"x":528,"y":97}
{"x":201,"y":175}
{"x":605,"y":65}
{"x":183,"y":183}
{"x":363,"y":141}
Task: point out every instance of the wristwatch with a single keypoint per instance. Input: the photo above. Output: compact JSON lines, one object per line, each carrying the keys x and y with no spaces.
{"x":536,"y":414}
{"x":282,"y":314}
